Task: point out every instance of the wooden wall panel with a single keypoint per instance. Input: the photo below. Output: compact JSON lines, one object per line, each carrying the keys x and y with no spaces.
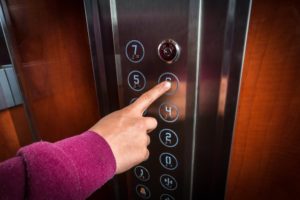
{"x":9,"y":142}
{"x":55,"y":66}
{"x":265,"y":161}
{"x":14,"y":131}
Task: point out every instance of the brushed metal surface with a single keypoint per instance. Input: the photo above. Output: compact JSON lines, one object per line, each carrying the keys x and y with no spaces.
{"x":211,"y":35}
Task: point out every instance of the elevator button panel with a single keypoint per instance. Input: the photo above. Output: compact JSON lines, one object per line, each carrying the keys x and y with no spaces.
{"x":166,"y":152}
{"x":150,"y":52}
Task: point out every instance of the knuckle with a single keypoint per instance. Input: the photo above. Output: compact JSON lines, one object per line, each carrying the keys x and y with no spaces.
{"x":154,"y":122}
{"x":146,"y":154}
{"x":146,"y":140}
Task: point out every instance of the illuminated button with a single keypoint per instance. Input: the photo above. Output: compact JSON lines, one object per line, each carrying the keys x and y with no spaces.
{"x":141,"y":173}
{"x":168,"y":51}
{"x":134,"y":51}
{"x":168,"y":182}
{"x":166,"y":197}
{"x":168,"y":161}
{"x":136,"y":80}
{"x":142,"y":191}
{"x":172,"y":78}
{"x":168,"y":138}
{"x":168,"y":112}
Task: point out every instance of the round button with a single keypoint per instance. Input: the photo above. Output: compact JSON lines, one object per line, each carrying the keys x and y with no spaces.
{"x":142,"y":191}
{"x":168,"y":112}
{"x":166,"y":197}
{"x":134,"y":51}
{"x":168,"y":51}
{"x":141,"y":173}
{"x":136,"y":80}
{"x":168,"y":182}
{"x":172,"y":78}
{"x":168,"y":161}
{"x":168,"y":138}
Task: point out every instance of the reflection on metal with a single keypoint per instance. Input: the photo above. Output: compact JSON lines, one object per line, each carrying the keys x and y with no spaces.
{"x":194,"y":57}
{"x":228,"y":42}
{"x":10,"y":94}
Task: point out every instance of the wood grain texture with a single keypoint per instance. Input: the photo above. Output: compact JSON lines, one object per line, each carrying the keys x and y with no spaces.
{"x":14,"y":131}
{"x":55,"y":66}
{"x":9,"y":141}
{"x":265,"y":160}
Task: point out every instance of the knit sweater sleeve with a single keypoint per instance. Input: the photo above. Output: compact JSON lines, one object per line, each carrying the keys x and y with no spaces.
{"x":69,"y":169}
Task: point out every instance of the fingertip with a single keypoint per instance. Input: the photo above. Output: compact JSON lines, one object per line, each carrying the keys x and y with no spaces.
{"x":167,"y":84}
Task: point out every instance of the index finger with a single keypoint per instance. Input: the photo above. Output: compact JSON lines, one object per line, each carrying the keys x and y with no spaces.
{"x":144,"y":101}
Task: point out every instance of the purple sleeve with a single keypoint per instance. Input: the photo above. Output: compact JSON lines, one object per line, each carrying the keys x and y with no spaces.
{"x":69,"y":169}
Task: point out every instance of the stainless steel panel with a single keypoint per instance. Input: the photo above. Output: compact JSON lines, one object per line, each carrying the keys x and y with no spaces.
{"x":211,"y":35}
{"x":136,"y":24}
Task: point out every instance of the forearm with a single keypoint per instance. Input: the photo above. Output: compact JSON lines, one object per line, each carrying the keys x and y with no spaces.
{"x":69,"y":169}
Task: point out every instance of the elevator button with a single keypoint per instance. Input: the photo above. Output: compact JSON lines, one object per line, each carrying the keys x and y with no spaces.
{"x":168,"y":138}
{"x":168,"y":182}
{"x":134,"y":51}
{"x":168,"y":112}
{"x":168,"y":51}
{"x":166,"y":197}
{"x":136,"y":80}
{"x":142,"y":191}
{"x":168,"y":161}
{"x":141,"y":173}
{"x":172,"y":78}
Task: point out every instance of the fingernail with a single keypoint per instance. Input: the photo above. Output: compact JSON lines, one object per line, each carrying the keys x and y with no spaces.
{"x":167,"y":84}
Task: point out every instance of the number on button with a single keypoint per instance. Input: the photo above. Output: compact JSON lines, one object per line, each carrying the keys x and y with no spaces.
{"x":136,"y":80}
{"x":168,"y":112}
{"x":134,"y":51}
{"x":141,"y":173}
{"x":168,"y":138}
{"x":168,"y":161}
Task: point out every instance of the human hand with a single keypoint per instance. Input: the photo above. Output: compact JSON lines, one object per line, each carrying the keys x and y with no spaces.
{"x":126,"y":130}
